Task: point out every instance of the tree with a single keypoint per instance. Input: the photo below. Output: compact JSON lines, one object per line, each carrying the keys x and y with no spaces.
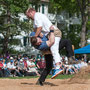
{"x":84,"y":9}
{"x":10,"y":24}
{"x":76,"y":6}
{"x":69,"y":31}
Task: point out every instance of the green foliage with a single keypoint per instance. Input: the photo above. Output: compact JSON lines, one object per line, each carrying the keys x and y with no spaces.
{"x":49,"y":76}
{"x":14,"y":42}
{"x":88,"y":25}
{"x":63,"y":5}
{"x":88,"y":30}
{"x":15,"y":6}
{"x":26,"y":26}
{"x":62,"y":76}
{"x":79,"y":7}
{"x":72,"y":0}
{"x":10,"y":24}
{"x":72,"y":34}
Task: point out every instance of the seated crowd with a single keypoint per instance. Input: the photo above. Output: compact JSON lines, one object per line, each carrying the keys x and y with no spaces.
{"x":25,"y":66}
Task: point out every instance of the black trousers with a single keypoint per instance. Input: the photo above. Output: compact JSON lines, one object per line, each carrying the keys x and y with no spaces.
{"x":68,"y":46}
{"x":49,"y":65}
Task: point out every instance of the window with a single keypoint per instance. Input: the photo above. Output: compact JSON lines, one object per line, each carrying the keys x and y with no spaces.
{"x":43,"y":8}
{"x":39,"y":8}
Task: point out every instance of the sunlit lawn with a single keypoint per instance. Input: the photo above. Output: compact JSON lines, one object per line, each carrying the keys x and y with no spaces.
{"x":28,"y":77}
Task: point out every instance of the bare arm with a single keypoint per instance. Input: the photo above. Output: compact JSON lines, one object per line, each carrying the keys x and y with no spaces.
{"x":38,"y":31}
{"x":51,"y":40}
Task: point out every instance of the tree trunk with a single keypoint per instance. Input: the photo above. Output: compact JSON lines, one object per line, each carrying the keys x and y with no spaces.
{"x":6,"y":36}
{"x":83,"y":9}
{"x":5,"y":46}
{"x":83,"y":31}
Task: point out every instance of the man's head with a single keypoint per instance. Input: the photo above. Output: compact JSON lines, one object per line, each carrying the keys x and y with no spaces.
{"x":30,"y":13}
{"x":36,"y":41}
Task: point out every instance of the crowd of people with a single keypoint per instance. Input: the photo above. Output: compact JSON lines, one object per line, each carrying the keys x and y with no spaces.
{"x":33,"y":66}
{"x":21,"y":66}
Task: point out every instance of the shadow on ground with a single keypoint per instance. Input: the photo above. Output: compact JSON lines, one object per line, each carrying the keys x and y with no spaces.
{"x":51,"y":84}
{"x":45,"y":83}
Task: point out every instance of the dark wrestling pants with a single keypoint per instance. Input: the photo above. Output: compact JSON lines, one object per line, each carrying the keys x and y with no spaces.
{"x":68,"y":46}
{"x":49,"y":65}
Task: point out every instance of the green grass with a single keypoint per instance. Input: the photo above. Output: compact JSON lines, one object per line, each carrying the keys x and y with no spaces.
{"x":61,"y":76}
{"x":49,"y":76}
{"x":27,"y":77}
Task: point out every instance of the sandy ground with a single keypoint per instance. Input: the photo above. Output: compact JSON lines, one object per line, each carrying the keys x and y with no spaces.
{"x":50,"y":84}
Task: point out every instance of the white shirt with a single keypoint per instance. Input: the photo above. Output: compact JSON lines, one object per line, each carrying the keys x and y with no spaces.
{"x":40,"y":20}
{"x":30,"y":63}
{"x":76,"y":65}
{"x":11,"y":66}
{"x":31,"y":69}
{"x":4,"y":65}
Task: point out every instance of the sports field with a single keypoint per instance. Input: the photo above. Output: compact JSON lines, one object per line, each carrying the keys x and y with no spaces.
{"x":29,"y":84}
{"x":80,"y":81}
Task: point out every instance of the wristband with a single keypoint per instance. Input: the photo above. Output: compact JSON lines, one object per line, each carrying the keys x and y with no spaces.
{"x":51,"y":30}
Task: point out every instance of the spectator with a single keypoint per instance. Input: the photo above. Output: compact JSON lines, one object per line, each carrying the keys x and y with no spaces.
{"x":41,"y":63}
{"x":25,"y":63}
{"x":21,"y":67}
{"x":1,"y":68}
{"x":32,"y":67}
{"x":5,"y":70}
{"x":34,"y":60}
{"x":69,"y":69}
{"x":11,"y":67}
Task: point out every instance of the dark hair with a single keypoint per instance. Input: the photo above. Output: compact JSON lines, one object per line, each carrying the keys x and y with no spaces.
{"x":33,"y":40}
